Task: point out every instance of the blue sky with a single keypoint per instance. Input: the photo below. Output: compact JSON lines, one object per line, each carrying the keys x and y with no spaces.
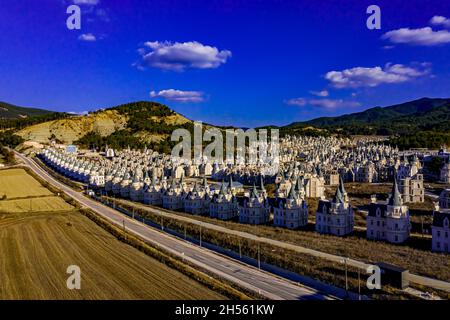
{"x":245,"y":63}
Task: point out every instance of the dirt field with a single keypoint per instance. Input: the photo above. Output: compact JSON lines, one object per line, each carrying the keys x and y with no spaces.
{"x":37,"y":247}
{"x":37,"y":204}
{"x":421,"y":261}
{"x":16,"y":183}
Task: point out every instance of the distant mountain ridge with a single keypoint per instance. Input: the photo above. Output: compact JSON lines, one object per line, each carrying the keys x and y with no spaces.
{"x":420,"y":123}
{"x":404,"y":118}
{"x":10,"y":111}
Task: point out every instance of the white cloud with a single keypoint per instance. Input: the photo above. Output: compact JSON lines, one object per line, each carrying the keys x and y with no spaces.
{"x":180,"y":56}
{"x":178,"y":95}
{"x":323,"y":103}
{"x":296,"y":102}
{"x":79,"y":113}
{"x":420,"y":37}
{"x":372,"y":77}
{"x":87,"y":37}
{"x":323,"y":93}
{"x":440,"y":21}
{"x":86,"y":2}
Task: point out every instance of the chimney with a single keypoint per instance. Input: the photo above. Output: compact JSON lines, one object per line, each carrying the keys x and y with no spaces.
{"x":436,"y":206}
{"x":373,"y":198}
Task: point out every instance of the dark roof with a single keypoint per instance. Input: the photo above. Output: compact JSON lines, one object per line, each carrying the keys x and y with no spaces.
{"x":439,"y":217}
{"x":373,"y":207}
{"x":323,"y":203}
{"x":395,"y":199}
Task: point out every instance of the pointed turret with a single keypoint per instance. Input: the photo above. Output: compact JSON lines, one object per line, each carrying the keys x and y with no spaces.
{"x":341,"y":185}
{"x":292,"y":194}
{"x":223,"y":189}
{"x":182,"y":179}
{"x":230,"y":182}
{"x":338,"y":197}
{"x":262,"y":184}
{"x":254,"y":193}
{"x":396,"y":198}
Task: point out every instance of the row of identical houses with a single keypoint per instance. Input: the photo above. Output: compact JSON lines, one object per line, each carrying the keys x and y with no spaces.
{"x":386,"y":220}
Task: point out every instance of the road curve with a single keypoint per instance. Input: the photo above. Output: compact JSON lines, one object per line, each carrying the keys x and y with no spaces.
{"x":246,"y":276}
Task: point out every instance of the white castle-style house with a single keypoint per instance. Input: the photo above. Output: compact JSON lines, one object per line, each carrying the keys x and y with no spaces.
{"x":445,"y":171}
{"x":153,"y":193}
{"x":440,"y":230}
{"x":336,"y":216}
{"x":291,"y":211}
{"x":196,"y":201}
{"x":173,"y":197}
{"x":224,"y":205}
{"x":389,"y":221}
{"x":411,"y":181}
{"x":444,"y":199}
{"x":255,"y":208}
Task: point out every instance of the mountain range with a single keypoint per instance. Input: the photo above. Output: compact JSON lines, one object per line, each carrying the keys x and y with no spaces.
{"x":9,"y":111}
{"x":421,"y":121}
{"x":405,"y":118}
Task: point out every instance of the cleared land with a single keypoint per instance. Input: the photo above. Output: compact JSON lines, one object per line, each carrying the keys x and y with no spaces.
{"x":356,"y":246}
{"x":37,"y":247}
{"x":16,"y":183}
{"x":41,"y":204}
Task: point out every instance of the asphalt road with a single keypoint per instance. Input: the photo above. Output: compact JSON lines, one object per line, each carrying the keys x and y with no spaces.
{"x":246,"y":276}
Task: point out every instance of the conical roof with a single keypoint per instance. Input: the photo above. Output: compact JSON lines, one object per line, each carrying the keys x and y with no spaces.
{"x":396,"y":198}
{"x":254,"y":193}
{"x":341,"y":185}
{"x":230,"y":182}
{"x":223,"y":188}
{"x":338,"y":197}
{"x":292,"y":194}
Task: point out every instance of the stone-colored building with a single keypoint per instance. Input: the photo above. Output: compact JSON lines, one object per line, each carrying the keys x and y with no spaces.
{"x":411,"y":181}
{"x":255,"y":209}
{"x":445,"y":171}
{"x":440,"y":231}
{"x":389,"y":221}
{"x":290,"y":212}
{"x":336,"y":216}
{"x":224,"y":205}
{"x":444,"y":199}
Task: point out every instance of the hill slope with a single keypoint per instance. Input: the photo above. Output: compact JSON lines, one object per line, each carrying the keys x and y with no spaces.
{"x":133,"y":124}
{"x":405,"y":118}
{"x":9,"y":111}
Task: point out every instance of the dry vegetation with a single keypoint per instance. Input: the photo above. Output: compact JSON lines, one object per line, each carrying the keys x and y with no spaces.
{"x":37,"y":248}
{"x":419,"y":261}
{"x":39,"y":204}
{"x":16,"y":183}
{"x":71,"y":129}
{"x":304,"y":264}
